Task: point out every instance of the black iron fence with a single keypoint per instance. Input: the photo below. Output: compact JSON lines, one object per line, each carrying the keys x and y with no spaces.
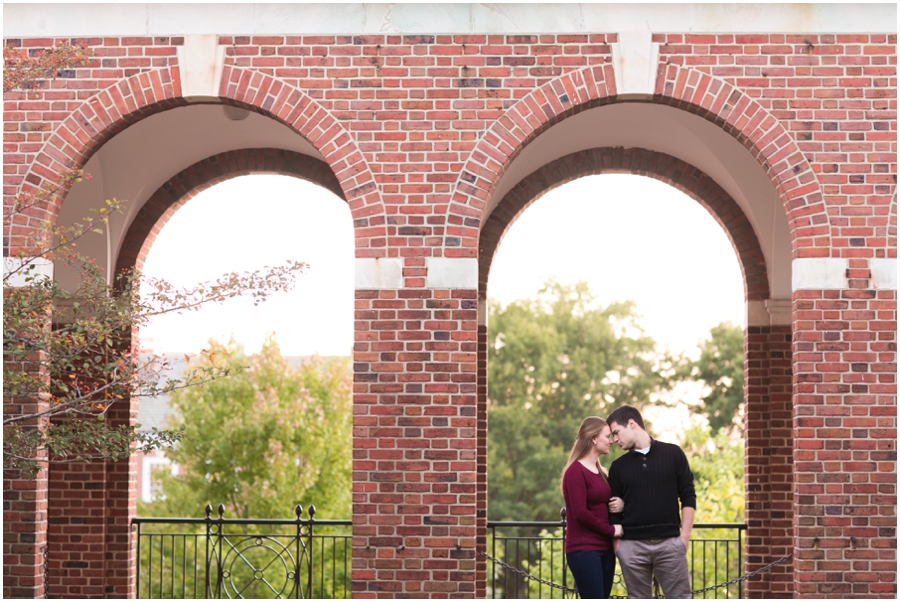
{"x":537,"y":548}
{"x":217,"y":557}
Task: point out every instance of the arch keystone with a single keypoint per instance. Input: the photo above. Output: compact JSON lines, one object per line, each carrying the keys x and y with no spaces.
{"x":635,"y":60}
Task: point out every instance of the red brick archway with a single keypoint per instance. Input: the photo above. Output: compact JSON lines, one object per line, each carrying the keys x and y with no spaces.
{"x":768,"y":401}
{"x":119,"y":478}
{"x":421,"y":130}
{"x":182,"y":187}
{"x":693,"y":91}
{"x":118,"y":106}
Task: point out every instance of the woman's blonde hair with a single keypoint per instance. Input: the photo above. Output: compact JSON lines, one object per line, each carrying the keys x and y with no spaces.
{"x":590,"y":427}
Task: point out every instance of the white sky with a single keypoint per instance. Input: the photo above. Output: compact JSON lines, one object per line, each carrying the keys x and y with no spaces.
{"x":629,"y":237}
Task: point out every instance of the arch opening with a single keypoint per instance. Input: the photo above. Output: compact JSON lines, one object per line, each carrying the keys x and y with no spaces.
{"x":202,"y":147}
{"x":631,"y":138}
{"x":243,"y":224}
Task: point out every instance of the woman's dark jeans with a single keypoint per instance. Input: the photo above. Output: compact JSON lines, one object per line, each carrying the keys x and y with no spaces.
{"x":593,"y":572}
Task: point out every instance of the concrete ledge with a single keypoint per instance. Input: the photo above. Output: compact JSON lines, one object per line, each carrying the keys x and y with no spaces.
{"x":756,"y":313}
{"x":482,"y":311}
{"x":779,"y":311}
{"x":771,"y":312}
{"x":64,"y":19}
{"x":379,"y":273}
{"x":819,"y":273}
{"x":884,"y":273}
{"x":451,"y":272}
{"x":43,"y":268}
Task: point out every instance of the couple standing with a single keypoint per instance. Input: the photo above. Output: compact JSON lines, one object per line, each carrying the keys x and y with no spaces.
{"x":631,"y":513}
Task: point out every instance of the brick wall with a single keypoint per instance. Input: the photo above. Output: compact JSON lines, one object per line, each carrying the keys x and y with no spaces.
{"x":417,"y":131}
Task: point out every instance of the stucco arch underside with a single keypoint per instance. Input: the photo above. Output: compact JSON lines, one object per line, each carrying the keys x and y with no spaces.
{"x":182,"y":187}
{"x":145,"y":104}
{"x":660,"y":166}
{"x":733,"y":113}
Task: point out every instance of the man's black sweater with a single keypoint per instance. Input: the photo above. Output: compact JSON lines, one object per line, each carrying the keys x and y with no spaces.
{"x":651,"y":486}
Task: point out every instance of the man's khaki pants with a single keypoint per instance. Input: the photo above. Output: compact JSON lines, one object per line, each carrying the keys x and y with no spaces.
{"x":665,"y":558}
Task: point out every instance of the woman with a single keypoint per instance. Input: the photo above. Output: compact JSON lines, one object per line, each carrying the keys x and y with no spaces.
{"x":589,"y":549}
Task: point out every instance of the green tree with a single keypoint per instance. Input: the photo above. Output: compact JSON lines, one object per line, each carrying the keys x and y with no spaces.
{"x":721,"y":368}
{"x":552,"y":361}
{"x":71,"y":350}
{"x":717,"y":462}
{"x":263,"y":439}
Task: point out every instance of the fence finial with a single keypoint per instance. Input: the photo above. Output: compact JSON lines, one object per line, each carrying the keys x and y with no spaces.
{"x":208,"y":510}
{"x":221,"y":510}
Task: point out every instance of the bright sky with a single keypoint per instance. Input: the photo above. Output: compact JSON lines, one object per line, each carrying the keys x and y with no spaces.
{"x":628,"y":236}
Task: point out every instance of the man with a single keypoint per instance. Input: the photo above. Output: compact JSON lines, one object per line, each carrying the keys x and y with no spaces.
{"x":651,"y":478}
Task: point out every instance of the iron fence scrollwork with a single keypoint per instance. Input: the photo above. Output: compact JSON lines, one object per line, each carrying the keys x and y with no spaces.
{"x":258,"y":565}
{"x":217,"y":557}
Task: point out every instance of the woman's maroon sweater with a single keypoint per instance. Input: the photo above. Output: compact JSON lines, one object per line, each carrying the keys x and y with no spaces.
{"x":587,"y":510}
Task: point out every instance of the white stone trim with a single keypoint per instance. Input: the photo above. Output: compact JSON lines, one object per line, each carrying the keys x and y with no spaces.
{"x":482,"y":311}
{"x":175,"y":19}
{"x":42,"y":268}
{"x":201,"y":61}
{"x":819,"y":273}
{"x":635,"y":59}
{"x":379,"y":273}
{"x":451,"y":272}
{"x":884,"y":273}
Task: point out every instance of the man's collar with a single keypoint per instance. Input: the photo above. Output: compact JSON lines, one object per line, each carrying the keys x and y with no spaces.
{"x":652,"y":441}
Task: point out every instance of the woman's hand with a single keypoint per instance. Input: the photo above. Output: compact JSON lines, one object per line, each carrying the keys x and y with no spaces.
{"x":618,"y":529}
{"x":616,"y":505}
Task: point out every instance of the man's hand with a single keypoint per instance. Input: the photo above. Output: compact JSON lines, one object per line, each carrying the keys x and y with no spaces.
{"x":616,"y":505}
{"x":618,"y":530}
{"x":686,"y":540}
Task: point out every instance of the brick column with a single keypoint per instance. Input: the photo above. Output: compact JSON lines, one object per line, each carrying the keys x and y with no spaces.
{"x":91,"y":548}
{"x":845,"y":440}
{"x":769,"y":450}
{"x":482,"y":492}
{"x":121,"y":506}
{"x":24,"y":513}
{"x":414,"y":440}
{"x":24,"y":534}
